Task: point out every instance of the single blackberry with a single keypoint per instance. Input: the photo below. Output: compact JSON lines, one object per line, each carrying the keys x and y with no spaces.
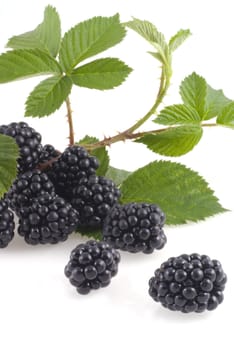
{"x":49,"y":219}
{"x":48,"y":153}
{"x":135,"y":227}
{"x":7,"y":224}
{"x":94,"y":197}
{"x":26,"y":187}
{"x":72,"y":165}
{"x":92,"y":265}
{"x":29,"y":142}
{"x":189,"y":283}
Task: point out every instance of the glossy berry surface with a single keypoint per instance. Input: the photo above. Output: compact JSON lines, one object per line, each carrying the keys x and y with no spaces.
{"x":48,"y":153}
{"x":94,"y":197}
{"x":29,"y":142}
{"x":73,"y":164}
{"x":7,"y":224}
{"x":189,"y":283}
{"x":48,"y":220}
{"x":92,"y":265}
{"x":28,"y":186}
{"x":135,"y":227}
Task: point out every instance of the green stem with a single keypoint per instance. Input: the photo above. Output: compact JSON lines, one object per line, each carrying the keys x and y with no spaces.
{"x":129,"y":133}
{"x":70,"y":122}
{"x":164,"y":84}
{"x":133,"y":136}
{"x":158,"y":131}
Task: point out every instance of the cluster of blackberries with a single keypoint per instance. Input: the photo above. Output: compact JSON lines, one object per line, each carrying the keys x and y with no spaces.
{"x":56,"y":193}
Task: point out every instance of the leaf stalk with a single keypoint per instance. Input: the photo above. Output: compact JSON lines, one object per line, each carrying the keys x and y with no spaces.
{"x":70,"y":122}
{"x":108,"y":141}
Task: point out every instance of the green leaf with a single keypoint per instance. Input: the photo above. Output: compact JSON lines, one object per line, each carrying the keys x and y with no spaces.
{"x":89,"y":38}
{"x":19,"y":64}
{"x":157,"y":55}
{"x":149,"y":32}
{"x":173,"y":142}
{"x":117,"y":175}
{"x":177,"y":115}
{"x":102,"y":74}
{"x":193,"y":92}
{"x":226,"y":116}
{"x":215,"y":102}
{"x":197,"y":94}
{"x":9,"y":153}
{"x":46,"y":36}
{"x":48,"y":96}
{"x":180,"y":192}
{"x":90,"y":233}
{"x":100,"y":153}
{"x":178,"y":39}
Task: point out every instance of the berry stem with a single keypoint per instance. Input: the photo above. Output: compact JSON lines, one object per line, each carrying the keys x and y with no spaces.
{"x":132,"y":136}
{"x":70,"y":122}
{"x":129,"y":133}
{"x":163,"y":87}
{"x":48,"y":164}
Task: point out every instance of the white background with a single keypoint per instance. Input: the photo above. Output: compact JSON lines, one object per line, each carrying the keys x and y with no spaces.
{"x":39,"y":309}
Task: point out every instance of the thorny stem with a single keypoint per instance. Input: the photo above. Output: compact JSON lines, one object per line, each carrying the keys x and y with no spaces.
{"x":47,"y":164}
{"x":109,"y":140}
{"x":106,"y":142}
{"x":70,"y":122}
{"x":129,"y":133}
{"x":163,"y":87}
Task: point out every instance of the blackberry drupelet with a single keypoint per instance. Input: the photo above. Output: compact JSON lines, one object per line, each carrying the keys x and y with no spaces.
{"x":48,"y":153}
{"x":92,"y":265}
{"x":72,"y":165}
{"x":94,"y":197}
{"x":135,"y":227}
{"x":7,"y":224}
{"x":49,"y":219}
{"x":28,"y":186}
{"x":29,"y":142}
{"x":189,"y":283}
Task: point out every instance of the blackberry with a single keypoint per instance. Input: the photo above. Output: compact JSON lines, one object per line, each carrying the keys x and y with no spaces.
{"x":94,"y":197}
{"x":92,"y":265}
{"x":26,"y":187}
{"x":135,"y":227}
{"x":72,"y":165}
{"x":189,"y":283}
{"x":49,"y":219}
{"x":48,"y":153}
{"x":29,"y":142}
{"x":7,"y":224}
